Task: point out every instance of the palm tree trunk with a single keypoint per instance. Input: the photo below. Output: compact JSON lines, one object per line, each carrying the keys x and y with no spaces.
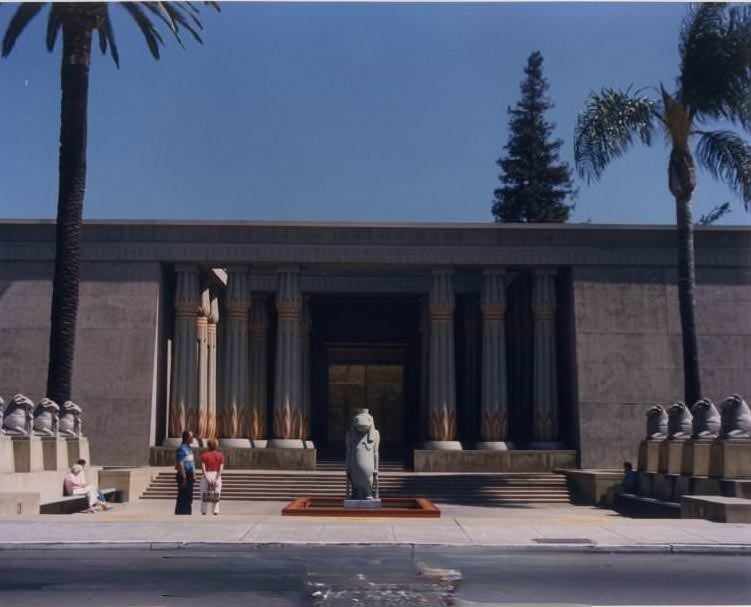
{"x":682,"y":183}
{"x":74,"y":78}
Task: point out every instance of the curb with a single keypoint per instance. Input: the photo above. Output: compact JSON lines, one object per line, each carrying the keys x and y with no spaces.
{"x":725,"y":549}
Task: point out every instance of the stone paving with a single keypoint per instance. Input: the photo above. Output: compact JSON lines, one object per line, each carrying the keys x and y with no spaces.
{"x":553,"y":527}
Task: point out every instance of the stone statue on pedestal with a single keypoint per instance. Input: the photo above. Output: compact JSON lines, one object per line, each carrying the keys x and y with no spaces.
{"x":680,"y":420}
{"x":657,"y":423}
{"x":736,"y":417}
{"x":18,"y":419}
{"x":70,"y":420}
{"x":362,"y":443}
{"x":706,"y":420}
{"x":46,"y":417}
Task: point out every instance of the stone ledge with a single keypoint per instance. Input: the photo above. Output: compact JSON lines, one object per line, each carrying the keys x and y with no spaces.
{"x":716,"y":508}
{"x":426,"y":460}
{"x":630,"y":504}
{"x":12,"y":504}
{"x":246,"y":459}
{"x":593,"y":487}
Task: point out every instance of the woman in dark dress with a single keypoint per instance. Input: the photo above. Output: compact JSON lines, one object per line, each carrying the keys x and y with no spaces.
{"x":185,"y":477}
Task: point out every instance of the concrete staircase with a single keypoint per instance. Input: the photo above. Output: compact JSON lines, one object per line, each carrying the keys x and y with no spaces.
{"x":447,"y":488}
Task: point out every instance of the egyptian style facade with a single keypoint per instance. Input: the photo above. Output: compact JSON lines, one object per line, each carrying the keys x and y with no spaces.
{"x":455,"y":336}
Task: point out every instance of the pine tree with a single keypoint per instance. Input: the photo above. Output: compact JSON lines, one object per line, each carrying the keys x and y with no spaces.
{"x":535,"y":184}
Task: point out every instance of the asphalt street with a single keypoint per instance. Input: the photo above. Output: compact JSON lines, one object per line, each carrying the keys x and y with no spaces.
{"x":339,"y":576}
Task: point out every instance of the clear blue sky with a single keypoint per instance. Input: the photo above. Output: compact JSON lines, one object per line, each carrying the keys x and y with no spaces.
{"x":391,"y":112}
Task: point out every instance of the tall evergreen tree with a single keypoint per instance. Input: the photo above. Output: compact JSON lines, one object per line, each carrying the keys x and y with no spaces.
{"x":535,"y":184}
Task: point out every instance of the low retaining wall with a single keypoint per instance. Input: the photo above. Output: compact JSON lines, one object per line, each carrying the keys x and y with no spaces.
{"x":429,"y":460}
{"x":246,"y":459}
{"x":593,"y":487}
{"x":129,"y":483}
{"x":12,"y":504}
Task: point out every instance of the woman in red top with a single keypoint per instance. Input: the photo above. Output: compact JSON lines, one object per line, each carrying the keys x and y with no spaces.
{"x":212,"y":464}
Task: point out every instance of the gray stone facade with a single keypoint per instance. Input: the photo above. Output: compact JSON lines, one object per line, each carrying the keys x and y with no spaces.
{"x":614,"y":339}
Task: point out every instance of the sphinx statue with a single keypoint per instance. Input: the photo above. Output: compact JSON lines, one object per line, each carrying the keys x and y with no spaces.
{"x":680,"y":426}
{"x":707,"y":421}
{"x":736,"y":417}
{"x":362,"y":443}
{"x":70,"y":420}
{"x":46,"y":417}
{"x":657,"y":423}
{"x":18,"y":418}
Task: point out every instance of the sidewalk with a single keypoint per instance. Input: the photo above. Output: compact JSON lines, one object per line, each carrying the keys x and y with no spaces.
{"x":150,"y":524}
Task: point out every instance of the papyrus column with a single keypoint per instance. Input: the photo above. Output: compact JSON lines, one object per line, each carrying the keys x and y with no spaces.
{"x":306,"y":328}
{"x":211,"y":345}
{"x":442,"y":392}
{"x":545,"y":430}
{"x":184,"y":389}
{"x":287,"y":415}
{"x":234,"y":406}
{"x":494,"y":394}
{"x":201,"y":426}
{"x":259,"y":326}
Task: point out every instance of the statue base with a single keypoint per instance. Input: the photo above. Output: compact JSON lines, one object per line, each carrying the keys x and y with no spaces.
{"x":55,"y":453}
{"x":494,"y":445}
{"x":286,"y":443}
{"x":28,"y":454}
{"x":443,"y":445}
{"x":6,"y":455}
{"x":78,"y":448}
{"x":243,"y":443}
{"x":362,"y":504}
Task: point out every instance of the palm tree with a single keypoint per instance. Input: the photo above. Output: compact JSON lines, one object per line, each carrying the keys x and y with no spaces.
{"x":78,"y":21}
{"x":714,"y":83}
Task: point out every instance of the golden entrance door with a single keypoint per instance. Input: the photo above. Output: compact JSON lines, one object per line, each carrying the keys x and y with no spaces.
{"x":376,"y":387}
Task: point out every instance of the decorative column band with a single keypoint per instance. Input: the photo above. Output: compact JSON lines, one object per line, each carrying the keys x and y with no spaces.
{"x":288,"y":423}
{"x":493,"y":399}
{"x":234,"y":393}
{"x":184,"y":381}
{"x":545,"y":388}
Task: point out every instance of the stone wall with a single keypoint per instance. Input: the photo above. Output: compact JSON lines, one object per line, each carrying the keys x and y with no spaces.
{"x":116,"y":336}
{"x":628,"y":349}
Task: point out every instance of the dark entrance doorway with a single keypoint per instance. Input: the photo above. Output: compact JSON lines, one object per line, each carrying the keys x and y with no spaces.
{"x":365,"y":355}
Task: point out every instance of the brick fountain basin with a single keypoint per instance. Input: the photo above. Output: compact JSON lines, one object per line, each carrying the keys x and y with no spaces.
{"x":391,"y":507}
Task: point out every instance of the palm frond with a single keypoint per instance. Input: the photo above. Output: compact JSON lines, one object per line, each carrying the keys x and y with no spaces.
{"x":158,"y":9}
{"x":715,"y":74}
{"x":106,"y":33}
{"x":606,"y":128}
{"x":150,"y":33}
{"x":53,"y":28}
{"x":25,"y":13}
{"x":175,"y":12}
{"x":717,"y":213}
{"x":728,"y":158}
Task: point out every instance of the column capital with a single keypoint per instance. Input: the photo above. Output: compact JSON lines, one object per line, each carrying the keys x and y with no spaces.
{"x":493,"y":294}
{"x":237,"y":294}
{"x":187,"y":291}
{"x":288,"y":295}
{"x":442,"y":300}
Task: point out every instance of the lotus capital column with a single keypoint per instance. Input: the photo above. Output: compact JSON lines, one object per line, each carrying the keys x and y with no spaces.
{"x":259,"y":326}
{"x":183,"y":412}
{"x":234,"y":393}
{"x":288,"y":412}
{"x":494,"y":396}
{"x":545,"y":425}
{"x":442,"y":390}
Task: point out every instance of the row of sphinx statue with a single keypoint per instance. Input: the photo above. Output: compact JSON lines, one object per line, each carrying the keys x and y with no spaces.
{"x":703,"y":421}
{"x":47,"y":419}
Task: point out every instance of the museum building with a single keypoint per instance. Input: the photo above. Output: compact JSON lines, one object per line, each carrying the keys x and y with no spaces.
{"x":457,"y":337}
